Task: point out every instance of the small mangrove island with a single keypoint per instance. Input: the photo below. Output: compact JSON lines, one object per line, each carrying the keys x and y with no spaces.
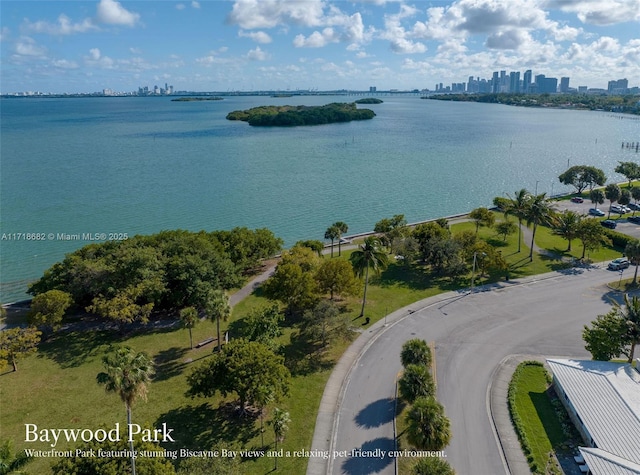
{"x":301,"y":115}
{"x":195,"y":99}
{"x":369,"y":100}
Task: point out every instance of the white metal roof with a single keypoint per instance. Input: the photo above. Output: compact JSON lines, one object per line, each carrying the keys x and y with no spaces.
{"x":606,"y":396}
{"x":601,"y":462}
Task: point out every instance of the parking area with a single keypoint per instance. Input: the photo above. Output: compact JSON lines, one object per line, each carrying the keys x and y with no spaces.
{"x":623,"y":226}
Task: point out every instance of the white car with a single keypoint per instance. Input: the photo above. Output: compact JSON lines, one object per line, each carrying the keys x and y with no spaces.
{"x":619,"y":263}
{"x":596,"y":212}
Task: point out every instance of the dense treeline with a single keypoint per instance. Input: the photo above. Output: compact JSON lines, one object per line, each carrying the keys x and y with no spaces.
{"x":369,"y":100}
{"x":170,"y":270}
{"x":627,"y":104}
{"x":301,"y":115}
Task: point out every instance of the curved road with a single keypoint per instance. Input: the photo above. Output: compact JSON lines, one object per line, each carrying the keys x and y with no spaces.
{"x":472,"y":334}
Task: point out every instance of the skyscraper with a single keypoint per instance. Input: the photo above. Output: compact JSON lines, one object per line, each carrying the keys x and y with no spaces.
{"x":526,"y":84}
{"x":564,"y":84}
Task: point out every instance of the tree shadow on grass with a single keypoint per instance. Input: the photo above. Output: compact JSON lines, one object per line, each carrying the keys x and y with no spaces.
{"x":548,"y":417}
{"x":377,"y":413}
{"x":201,"y":427}
{"x":168,"y":363}
{"x":495,"y":242}
{"x":414,"y":277}
{"x":74,"y":348}
{"x":303,"y":357}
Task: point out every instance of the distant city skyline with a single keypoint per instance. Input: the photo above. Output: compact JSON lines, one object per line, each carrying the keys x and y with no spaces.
{"x":90,"y":46}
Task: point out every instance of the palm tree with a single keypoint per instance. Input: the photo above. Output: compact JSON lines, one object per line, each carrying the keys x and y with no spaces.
{"x":280,"y":423}
{"x":635,"y":194}
{"x":342,"y":228}
{"x":597,"y":197}
{"x":566,"y":224}
{"x":632,"y":251}
{"x":539,"y":211}
{"x":427,"y":426}
{"x":10,"y":461}
{"x":218,"y":308}
{"x":332,"y":233}
{"x":189,"y":319}
{"x":631,"y":314}
{"x":368,"y":254}
{"x":612,"y":193}
{"x":128,"y":374}
{"x":518,"y":207}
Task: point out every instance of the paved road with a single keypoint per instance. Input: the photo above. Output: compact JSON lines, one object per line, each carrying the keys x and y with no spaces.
{"x":472,"y":333}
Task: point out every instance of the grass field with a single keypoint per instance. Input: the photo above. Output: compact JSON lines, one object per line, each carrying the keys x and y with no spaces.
{"x":56,"y":388}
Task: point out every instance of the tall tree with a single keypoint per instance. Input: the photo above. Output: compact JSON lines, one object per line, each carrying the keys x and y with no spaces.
{"x":218,"y":308}
{"x":246,"y":368}
{"x":324,"y":322}
{"x":189,"y":318}
{"x":280,"y":423}
{"x":612,"y":193}
{"x":427,"y":426}
{"x":565,"y":225}
{"x":517,"y":207}
{"x":631,"y":170}
{"x":332,"y":233}
{"x":625,"y":197}
{"x":597,"y":197}
{"x":615,"y":333}
{"x":368,"y":255}
{"x":635,"y":194}
{"x":342,"y":228}
{"x":482,"y":217}
{"x":539,"y":211}
{"x":391,"y":229}
{"x":128,"y":374}
{"x":583,"y":177}
{"x":336,"y":277}
{"x":591,"y":234}
{"x":18,"y":343}
{"x":48,"y":308}
{"x":263,"y":325}
{"x":632,"y":251}
{"x":505,"y":228}
{"x":11,"y":462}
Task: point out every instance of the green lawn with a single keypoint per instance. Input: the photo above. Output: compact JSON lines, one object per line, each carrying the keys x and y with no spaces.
{"x":57,"y":386}
{"x":539,"y":420}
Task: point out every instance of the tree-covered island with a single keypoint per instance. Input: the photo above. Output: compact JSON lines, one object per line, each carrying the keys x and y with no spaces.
{"x":196,"y":99}
{"x":301,"y":115}
{"x":369,"y":100}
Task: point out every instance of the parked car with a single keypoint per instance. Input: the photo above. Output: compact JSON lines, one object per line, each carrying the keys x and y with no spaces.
{"x":596,"y":212}
{"x":577,"y":199}
{"x":617,"y":209}
{"x":634,"y":206}
{"x":609,"y":223}
{"x":634,"y":219}
{"x":619,"y":263}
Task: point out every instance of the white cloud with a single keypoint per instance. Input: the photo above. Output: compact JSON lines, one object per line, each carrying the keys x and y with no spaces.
{"x":257,"y":54}
{"x":113,"y":13}
{"x":399,"y":38}
{"x":65,"y":64}
{"x":600,"y":12}
{"x":195,"y":5}
{"x":316,"y":39}
{"x":252,"y":14}
{"x":509,"y":39}
{"x":180,"y":6}
{"x":27,"y":46}
{"x":257,"y":36}
{"x":5,"y":33}
{"x":64,"y":26}
{"x":95,"y":54}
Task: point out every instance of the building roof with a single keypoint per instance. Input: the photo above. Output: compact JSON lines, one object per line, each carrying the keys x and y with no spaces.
{"x":606,"y":396}
{"x":600,"y":461}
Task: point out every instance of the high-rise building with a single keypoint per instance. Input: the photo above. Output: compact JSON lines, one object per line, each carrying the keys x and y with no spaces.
{"x":618,"y":87}
{"x":514,"y":81}
{"x":495,"y":82}
{"x":564,"y":84}
{"x":526,"y":83}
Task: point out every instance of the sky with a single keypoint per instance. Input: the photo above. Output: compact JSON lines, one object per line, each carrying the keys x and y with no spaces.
{"x":286,"y":45}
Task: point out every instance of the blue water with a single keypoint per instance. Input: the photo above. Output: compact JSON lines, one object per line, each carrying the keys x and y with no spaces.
{"x":141,"y":165}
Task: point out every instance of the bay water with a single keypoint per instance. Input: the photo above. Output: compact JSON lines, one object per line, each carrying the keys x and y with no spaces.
{"x":75,"y":169}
